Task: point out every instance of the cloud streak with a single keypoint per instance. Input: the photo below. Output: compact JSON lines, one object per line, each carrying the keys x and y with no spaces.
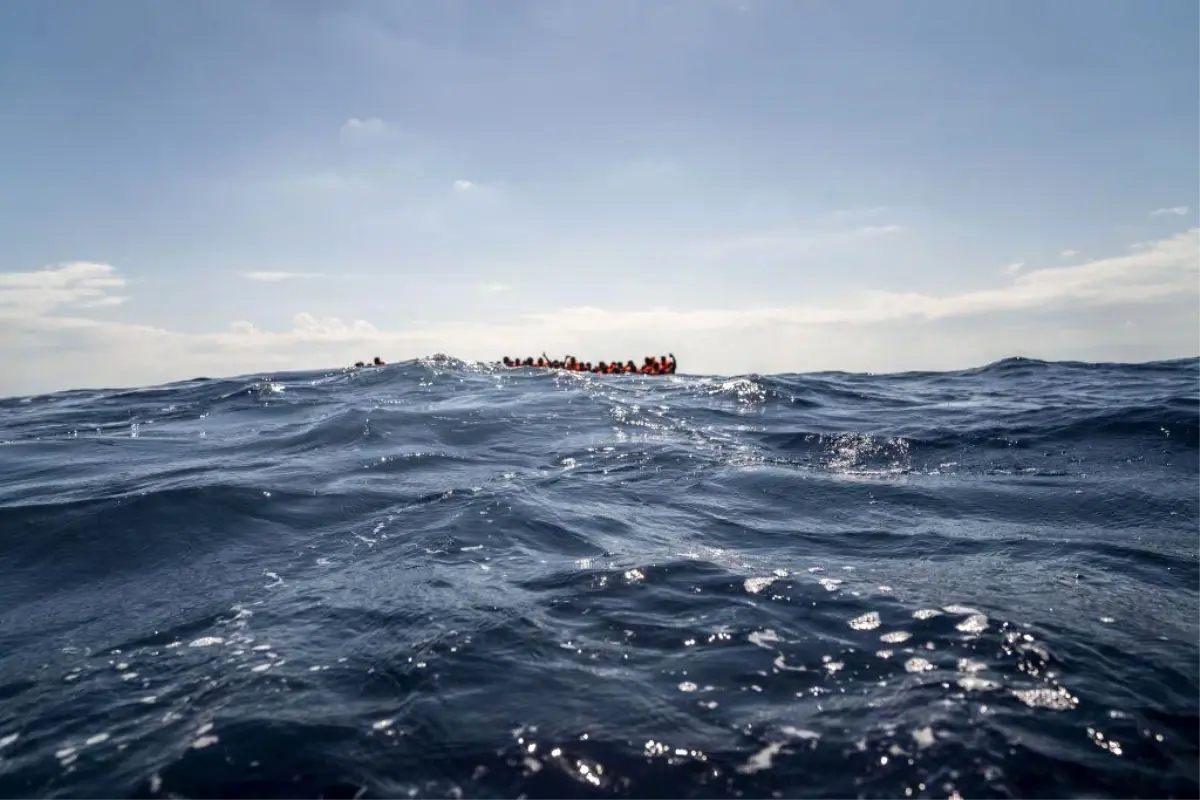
{"x":276,"y":276}
{"x":1176,"y":210}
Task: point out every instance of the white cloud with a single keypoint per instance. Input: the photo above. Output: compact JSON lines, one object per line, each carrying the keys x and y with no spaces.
{"x":494,"y":287}
{"x":877,"y":331}
{"x":486,"y":193}
{"x":274,"y":276}
{"x":102,"y":302}
{"x":362,"y":130}
{"x":1014,"y":268}
{"x":877,"y":230}
{"x":75,"y":284}
{"x":1177,"y":210}
{"x":243,"y":327}
{"x":1068,"y":254}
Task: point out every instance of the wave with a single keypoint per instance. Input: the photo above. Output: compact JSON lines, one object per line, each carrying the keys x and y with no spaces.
{"x":440,"y":577}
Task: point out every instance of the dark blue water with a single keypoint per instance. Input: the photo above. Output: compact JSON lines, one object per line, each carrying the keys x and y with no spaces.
{"x":443,"y":580}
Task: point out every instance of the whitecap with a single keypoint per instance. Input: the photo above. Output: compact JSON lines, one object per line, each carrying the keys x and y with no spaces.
{"x":923,"y":737}
{"x":780,"y":663}
{"x":756,"y":585}
{"x":206,"y":641}
{"x":763,"y":638}
{"x":976,"y":623}
{"x":800,"y":733}
{"x":867,"y":622}
{"x":957,"y":609}
{"x":761,"y":760}
{"x":1058,"y":698}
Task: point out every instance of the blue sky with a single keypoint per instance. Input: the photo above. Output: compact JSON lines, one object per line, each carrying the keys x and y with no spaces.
{"x":226,"y":187}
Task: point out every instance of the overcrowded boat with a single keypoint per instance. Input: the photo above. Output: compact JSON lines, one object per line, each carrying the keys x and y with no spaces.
{"x":651,"y":365}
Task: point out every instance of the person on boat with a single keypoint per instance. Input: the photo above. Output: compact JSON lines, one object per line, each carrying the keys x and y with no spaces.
{"x":651,"y":365}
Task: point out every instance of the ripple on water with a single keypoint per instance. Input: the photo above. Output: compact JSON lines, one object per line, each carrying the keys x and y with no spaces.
{"x":449,"y":579}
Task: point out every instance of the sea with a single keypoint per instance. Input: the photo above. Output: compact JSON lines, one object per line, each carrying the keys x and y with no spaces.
{"x":449,"y":579}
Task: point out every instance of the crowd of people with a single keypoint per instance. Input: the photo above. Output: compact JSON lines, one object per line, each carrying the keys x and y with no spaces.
{"x":652,"y":365}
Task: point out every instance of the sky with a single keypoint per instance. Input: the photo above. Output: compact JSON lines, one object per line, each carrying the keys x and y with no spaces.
{"x":226,"y":188}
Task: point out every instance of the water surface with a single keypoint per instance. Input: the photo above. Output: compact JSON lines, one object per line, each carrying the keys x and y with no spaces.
{"x":438,"y":579}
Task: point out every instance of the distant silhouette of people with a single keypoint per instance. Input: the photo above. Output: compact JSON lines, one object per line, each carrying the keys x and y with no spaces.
{"x":651,"y":365}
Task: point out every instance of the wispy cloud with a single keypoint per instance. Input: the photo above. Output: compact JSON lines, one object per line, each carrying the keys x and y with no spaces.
{"x":108,"y":301}
{"x":1153,"y":271}
{"x":485,"y":192}
{"x":363,"y":130}
{"x":1014,"y":268}
{"x":877,"y":230}
{"x":1176,"y":210}
{"x":275,"y":276}
{"x":1068,"y":254}
{"x":76,"y":284}
{"x":493,"y":288}
{"x":1165,"y":269}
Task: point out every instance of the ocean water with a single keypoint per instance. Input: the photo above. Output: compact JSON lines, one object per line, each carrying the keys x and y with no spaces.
{"x":440,"y":579}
